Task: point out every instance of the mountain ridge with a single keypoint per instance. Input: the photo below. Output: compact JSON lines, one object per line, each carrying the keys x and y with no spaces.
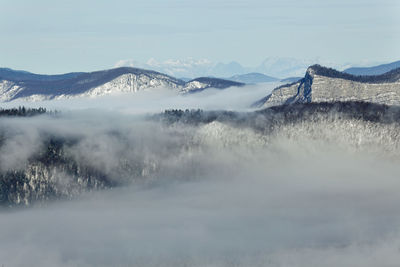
{"x":253,"y":77}
{"x":202,"y":83}
{"x":20,"y":75}
{"x":374,"y":70}
{"x":29,"y":86}
{"x":322,"y":84}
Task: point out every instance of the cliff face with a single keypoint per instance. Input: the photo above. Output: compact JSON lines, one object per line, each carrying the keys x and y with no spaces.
{"x":326,"y":85}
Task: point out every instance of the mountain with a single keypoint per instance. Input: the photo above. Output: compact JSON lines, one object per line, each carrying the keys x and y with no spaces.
{"x":376,"y":70}
{"x":185,"y":79}
{"x":284,"y":67}
{"x":322,"y":84}
{"x":291,"y":79}
{"x":20,"y":75}
{"x":272,"y":66}
{"x":199,"y":84}
{"x":253,"y":77}
{"x":227,"y":70}
{"x":86,"y":84}
{"x":188,"y":67}
{"x":33,"y":87}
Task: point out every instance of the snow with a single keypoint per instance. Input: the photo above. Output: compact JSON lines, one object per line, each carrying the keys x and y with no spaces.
{"x":327,"y":89}
{"x":126,"y":83}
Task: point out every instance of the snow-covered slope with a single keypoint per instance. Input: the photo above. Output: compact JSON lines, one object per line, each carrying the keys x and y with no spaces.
{"x":86,"y":84}
{"x":322,"y":84}
{"x":33,"y":87}
{"x":199,"y":84}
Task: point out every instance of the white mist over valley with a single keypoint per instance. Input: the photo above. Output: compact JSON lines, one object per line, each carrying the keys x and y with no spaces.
{"x":234,"y":189}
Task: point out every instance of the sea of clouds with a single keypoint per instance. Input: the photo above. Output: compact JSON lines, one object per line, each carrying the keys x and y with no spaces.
{"x":313,"y":194}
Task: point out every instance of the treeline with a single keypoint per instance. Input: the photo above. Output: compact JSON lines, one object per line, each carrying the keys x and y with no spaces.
{"x":391,"y":76}
{"x":195,"y":116}
{"x":24,"y":112}
{"x":356,"y":110}
{"x":267,"y":119}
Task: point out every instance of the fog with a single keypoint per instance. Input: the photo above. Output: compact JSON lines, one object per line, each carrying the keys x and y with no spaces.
{"x":157,"y":100}
{"x":315,"y":193}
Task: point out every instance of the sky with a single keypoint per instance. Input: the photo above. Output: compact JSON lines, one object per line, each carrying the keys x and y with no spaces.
{"x":47,"y":36}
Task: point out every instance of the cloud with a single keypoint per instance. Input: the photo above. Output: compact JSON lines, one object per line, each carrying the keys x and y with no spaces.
{"x":308,"y":194}
{"x":157,"y":100}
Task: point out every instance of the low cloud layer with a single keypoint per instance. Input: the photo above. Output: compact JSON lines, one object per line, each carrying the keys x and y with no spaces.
{"x":157,"y":100}
{"x":311,"y":194}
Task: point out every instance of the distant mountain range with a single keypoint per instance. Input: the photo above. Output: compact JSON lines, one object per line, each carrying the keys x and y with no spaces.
{"x":291,"y":79}
{"x":29,"y":86}
{"x":321,"y":84}
{"x":376,"y":70}
{"x":253,"y":77}
{"x":277,"y":67}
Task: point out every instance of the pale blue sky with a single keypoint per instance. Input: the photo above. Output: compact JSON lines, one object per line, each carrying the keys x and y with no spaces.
{"x":49,"y":36}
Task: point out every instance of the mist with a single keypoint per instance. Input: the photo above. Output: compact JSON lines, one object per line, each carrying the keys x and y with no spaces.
{"x":209,"y":194}
{"x":157,"y":100}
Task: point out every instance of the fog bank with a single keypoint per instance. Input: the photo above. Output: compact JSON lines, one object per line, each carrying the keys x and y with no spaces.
{"x":157,"y":100}
{"x":312,"y":193}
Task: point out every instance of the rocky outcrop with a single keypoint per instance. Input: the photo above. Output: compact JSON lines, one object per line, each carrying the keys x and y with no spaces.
{"x":322,"y":84}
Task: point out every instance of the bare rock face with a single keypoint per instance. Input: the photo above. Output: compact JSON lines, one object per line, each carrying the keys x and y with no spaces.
{"x":322,"y":84}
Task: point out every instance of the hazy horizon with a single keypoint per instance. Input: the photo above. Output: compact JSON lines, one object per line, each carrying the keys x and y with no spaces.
{"x":57,"y":37}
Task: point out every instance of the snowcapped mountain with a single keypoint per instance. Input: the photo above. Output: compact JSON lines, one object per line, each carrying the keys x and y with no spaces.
{"x":34,"y":87}
{"x":188,"y":67}
{"x":322,"y":84}
{"x":280,"y":67}
{"x":86,"y":84}
{"x":284,"y":67}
